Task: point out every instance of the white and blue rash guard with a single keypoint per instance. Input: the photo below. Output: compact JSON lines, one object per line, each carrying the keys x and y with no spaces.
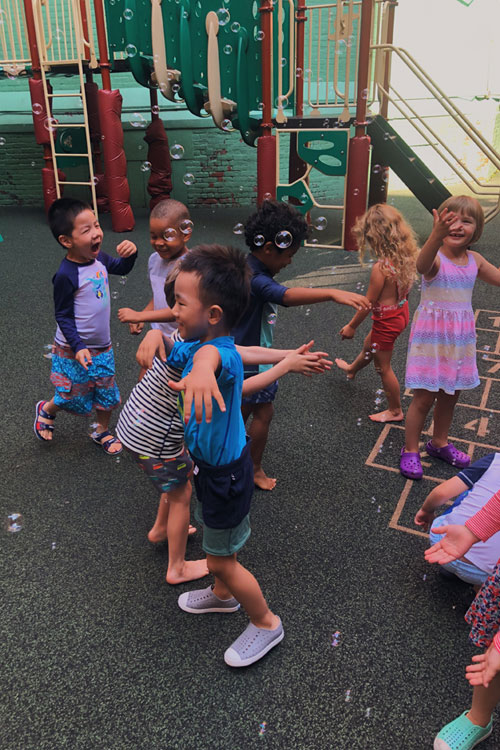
{"x":81,"y":300}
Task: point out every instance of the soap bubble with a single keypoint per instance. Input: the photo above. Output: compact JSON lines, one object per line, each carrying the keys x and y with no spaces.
{"x":2,"y":141}
{"x":227,"y":125}
{"x":155,"y":109}
{"x":33,"y":163}
{"x":123,"y":280}
{"x":131,"y":50}
{"x":176,"y":87}
{"x":268,"y":197}
{"x":376,"y":169}
{"x":186,"y":226}
{"x":177,"y":151}
{"x":128,"y":14}
{"x":235,"y":27}
{"x":114,"y":295}
{"x":355,"y":191}
{"x":137,"y":120}
{"x":283,"y":239}
{"x":238,"y":228}
{"x":224,"y":16}
{"x":283,"y":62}
{"x":188,"y":178}
{"x":50,"y":124}
{"x":281,"y":101}
{"x":228,"y":49}
{"x":271,"y":319}
{"x":145,"y":166}
{"x":14,"y":522}
{"x":320,"y":223}
{"x":314,"y":241}
{"x":259,"y":240}
{"x":258,"y":35}
{"x":37,"y":108}
{"x":170,"y":234}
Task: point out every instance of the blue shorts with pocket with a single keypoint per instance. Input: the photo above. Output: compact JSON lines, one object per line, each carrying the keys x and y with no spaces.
{"x":79,"y":390}
{"x":224,"y":495}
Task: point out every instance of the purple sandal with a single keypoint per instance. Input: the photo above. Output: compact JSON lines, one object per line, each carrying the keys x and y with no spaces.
{"x":410,"y":466}
{"x":450,"y":454}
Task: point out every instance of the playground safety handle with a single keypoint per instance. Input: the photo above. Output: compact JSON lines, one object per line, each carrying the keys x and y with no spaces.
{"x":159,"y":52}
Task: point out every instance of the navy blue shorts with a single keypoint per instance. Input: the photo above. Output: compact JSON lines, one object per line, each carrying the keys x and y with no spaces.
{"x":265,"y":396}
{"x":225,"y":492}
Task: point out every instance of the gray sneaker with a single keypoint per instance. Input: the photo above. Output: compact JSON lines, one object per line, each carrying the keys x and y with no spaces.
{"x":252,"y":645}
{"x":200,"y":601}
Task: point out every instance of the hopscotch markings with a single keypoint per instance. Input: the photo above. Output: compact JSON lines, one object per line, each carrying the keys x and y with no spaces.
{"x":487,"y":322}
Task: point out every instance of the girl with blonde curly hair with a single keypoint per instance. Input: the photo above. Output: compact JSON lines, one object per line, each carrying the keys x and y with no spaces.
{"x":390,"y":240}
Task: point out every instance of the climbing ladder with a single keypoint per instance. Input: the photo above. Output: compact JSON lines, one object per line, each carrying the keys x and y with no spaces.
{"x":62,"y":46}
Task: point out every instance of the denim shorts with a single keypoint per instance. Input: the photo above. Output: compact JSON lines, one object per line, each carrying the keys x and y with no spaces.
{"x":265,"y":396}
{"x":466,"y":571}
{"x":166,"y":473}
{"x":79,"y":390}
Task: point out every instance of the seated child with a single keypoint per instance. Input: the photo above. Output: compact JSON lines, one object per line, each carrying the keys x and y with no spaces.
{"x":211,"y":291}
{"x":150,"y":427}
{"x":170,"y":229}
{"x":83,"y":366}
{"x":274,"y":234}
{"x":477,"y":483}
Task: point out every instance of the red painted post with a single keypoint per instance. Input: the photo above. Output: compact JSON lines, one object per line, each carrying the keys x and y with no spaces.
{"x":359,"y":147}
{"x":296,"y":166}
{"x":266,"y":143}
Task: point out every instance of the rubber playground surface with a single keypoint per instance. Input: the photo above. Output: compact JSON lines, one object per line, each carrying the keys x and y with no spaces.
{"x":96,"y":653}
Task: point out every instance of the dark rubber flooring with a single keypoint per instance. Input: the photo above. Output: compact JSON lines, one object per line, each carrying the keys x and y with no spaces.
{"x":95,"y":652}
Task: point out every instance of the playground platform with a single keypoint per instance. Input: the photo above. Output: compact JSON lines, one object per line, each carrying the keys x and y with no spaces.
{"x":96,"y":653}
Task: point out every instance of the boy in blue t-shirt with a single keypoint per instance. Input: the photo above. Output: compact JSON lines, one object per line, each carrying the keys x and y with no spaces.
{"x":211,"y":292}
{"x":274,"y":234}
{"x":83,"y":366}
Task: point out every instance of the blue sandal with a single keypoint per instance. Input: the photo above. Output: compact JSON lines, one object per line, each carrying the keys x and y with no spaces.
{"x":40,"y":427}
{"x":97,"y":437}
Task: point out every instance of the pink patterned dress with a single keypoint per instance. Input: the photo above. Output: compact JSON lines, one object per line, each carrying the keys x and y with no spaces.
{"x":442,"y":346}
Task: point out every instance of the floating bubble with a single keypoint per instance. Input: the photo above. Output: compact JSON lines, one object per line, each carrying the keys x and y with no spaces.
{"x":259,"y":240}
{"x":228,"y":49}
{"x":95,"y":180}
{"x":281,"y":101}
{"x":177,"y":151}
{"x":188,"y":178}
{"x":298,"y":72}
{"x":123,"y":280}
{"x":146,"y":166}
{"x":238,"y":228}
{"x":260,"y":106}
{"x":226,"y":125}
{"x":114,"y":295}
{"x":2,"y":141}
{"x":424,"y":578}
{"x":224,"y":16}
{"x":117,"y":459}
{"x":262,"y":727}
{"x":368,"y":713}
{"x":186,"y":226}
{"x":347,"y":695}
{"x":283,"y":239}
{"x":268,"y":197}
{"x":155,"y":109}
{"x":176,"y":87}
{"x":258,"y":35}
{"x":314,"y":241}
{"x":283,"y":62}
{"x":170,"y":234}
{"x":364,"y":94}
{"x":37,"y":108}
{"x":50,"y":124}
{"x":487,"y":348}
{"x":320,"y":223}
{"x":376,"y":169}
{"x":235,"y":27}
{"x":14,"y":522}
{"x":131,"y":50}
{"x":308,"y":311}
{"x":53,"y":545}
{"x":137,"y":120}
{"x":272,"y":318}
{"x":335,"y":638}
{"x":355,"y":191}
{"x":128,"y":14}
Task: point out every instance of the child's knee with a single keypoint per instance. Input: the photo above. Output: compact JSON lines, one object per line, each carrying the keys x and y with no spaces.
{"x":217,"y":565}
{"x":264,"y":412}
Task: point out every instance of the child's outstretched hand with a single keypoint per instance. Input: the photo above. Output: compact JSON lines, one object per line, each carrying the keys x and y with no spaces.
{"x":200,"y":387}
{"x":151,"y":345}
{"x":347,"y":332}
{"x":424,"y":519}
{"x":126,"y":248}
{"x":84,"y":357}
{"x":457,"y":541}
{"x":443,"y":222}
{"x":127,"y":315}
{"x":358,"y":301}
{"x":306,"y":362}
{"x":485,"y":667}
{"x":135,"y":328}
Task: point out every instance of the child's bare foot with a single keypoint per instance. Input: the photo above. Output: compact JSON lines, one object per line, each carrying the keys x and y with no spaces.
{"x":388,"y":416}
{"x":156,"y":536}
{"x":262,"y":481}
{"x":191,"y":570}
{"x":346,"y":367}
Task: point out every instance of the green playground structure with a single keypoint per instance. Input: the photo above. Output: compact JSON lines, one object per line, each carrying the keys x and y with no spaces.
{"x":309,"y":84}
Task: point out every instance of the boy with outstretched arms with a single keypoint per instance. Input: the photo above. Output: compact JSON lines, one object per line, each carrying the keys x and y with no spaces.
{"x":274,"y":233}
{"x":83,"y":367}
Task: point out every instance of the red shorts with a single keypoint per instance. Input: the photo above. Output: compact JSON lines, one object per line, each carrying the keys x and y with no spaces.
{"x":388,"y":323}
